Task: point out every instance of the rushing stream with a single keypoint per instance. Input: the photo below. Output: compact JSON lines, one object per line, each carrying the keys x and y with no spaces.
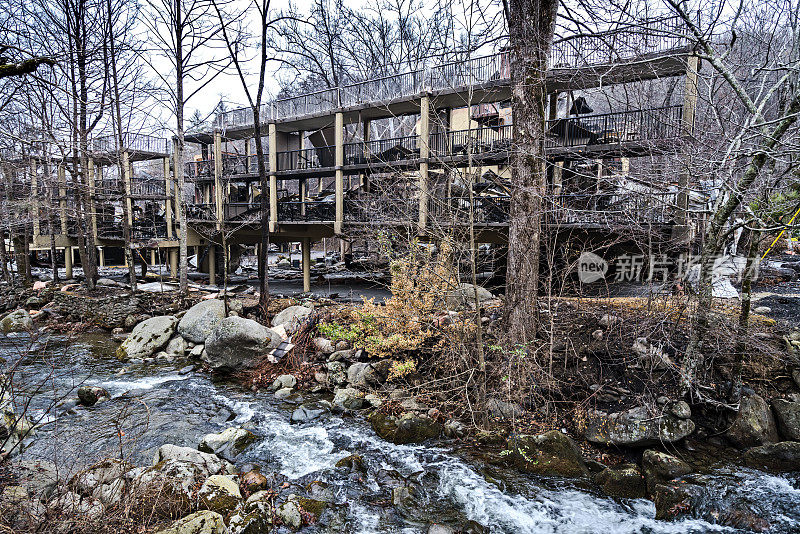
{"x":155,"y":404}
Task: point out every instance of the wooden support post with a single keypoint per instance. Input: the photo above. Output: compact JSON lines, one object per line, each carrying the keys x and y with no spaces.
{"x":218,"y":206}
{"x":173,"y":263}
{"x":303,"y":181}
{"x":35,"y":198}
{"x":127,"y":174}
{"x":91,"y":182}
{"x":424,"y":155}
{"x":306,"y":246}
{"x":339,"y":150}
{"x":212,"y":265}
{"x":101,"y":256}
{"x":273,"y":179}
{"x":366,"y":130}
{"x":62,"y":199}
{"x":68,"y":262}
{"x":680,"y":231}
{"x":168,"y":190}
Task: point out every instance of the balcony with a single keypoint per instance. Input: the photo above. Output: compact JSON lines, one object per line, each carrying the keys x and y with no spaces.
{"x":640,"y":39}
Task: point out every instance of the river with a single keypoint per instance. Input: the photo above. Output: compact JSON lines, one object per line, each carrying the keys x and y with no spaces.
{"x":154,"y":404}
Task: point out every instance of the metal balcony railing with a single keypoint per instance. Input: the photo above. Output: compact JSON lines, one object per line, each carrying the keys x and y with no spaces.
{"x":626,"y":42}
{"x":308,"y":211}
{"x":474,"y":141}
{"x":132,"y":142}
{"x":307,"y":158}
{"x":607,"y":128}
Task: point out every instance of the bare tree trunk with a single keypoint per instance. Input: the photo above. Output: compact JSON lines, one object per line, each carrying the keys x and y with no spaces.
{"x":263,"y":260}
{"x":4,"y":256}
{"x":531,"y":28}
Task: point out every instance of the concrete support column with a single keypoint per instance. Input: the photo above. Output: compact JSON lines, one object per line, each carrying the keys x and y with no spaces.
{"x":153,"y":257}
{"x":424,"y":155}
{"x":212,"y":265}
{"x":339,"y":139}
{"x":127,"y":173}
{"x":680,"y":232}
{"x":218,"y":202}
{"x":173,"y":263}
{"x":101,"y":256}
{"x":68,"y":262}
{"x":273,"y":179}
{"x":306,"y":251}
{"x":91,"y":182}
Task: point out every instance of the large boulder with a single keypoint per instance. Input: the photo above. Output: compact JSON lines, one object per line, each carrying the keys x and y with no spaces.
{"x":16,"y":321}
{"x":787,"y":415}
{"x":408,"y":428}
{"x":348,"y":399}
{"x":227,"y":444}
{"x":238,"y":343}
{"x":104,"y":472}
{"x":291,"y":318}
{"x":201,"y":319}
{"x":635,"y":427}
{"x":551,"y":454}
{"x":211,"y":464}
{"x":753,"y":424}
{"x":202,"y":522}
{"x":464,"y":295}
{"x":220,"y":493}
{"x":783,"y":456}
{"x":147,"y":337}
{"x":171,"y":483}
{"x":39,"y":477}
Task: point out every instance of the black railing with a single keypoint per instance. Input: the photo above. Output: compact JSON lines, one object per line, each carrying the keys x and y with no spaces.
{"x":199,"y":169}
{"x":476,"y":141}
{"x":379,"y":209}
{"x":308,"y":211}
{"x":307,"y":158}
{"x":611,"y":209}
{"x":608,"y":128}
{"x":485,"y":209}
{"x":201,"y":212}
{"x":381,"y":150}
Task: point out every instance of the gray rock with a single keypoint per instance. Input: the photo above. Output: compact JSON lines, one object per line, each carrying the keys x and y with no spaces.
{"x":783,"y":456}
{"x":634,"y":428}
{"x":762,"y":310}
{"x":337,"y":374}
{"x":660,"y":467}
{"x":201,"y":319}
{"x":283,"y":393}
{"x":197,"y":351}
{"x":238,"y":343}
{"x":306,"y":412}
{"x":787,"y":415}
{"x":88,"y":480}
{"x":503,"y":410}
{"x":16,"y":321}
{"x":551,"y":454}
{"x":464,"y":296}
{"x":220,"y":493}
{"x":408,"y":428}
{"x":364,"y":375}
{"x":289,"y":513}
{"x":624,"y":481}
{"x":39,"y":477}
{"x":91,"y":395}
{"x":202,"y":522}
{"x":679,"y":409}
{"x":255,"y":517}
{"x":210,"y":464}
{"x":341,"y":355}
{"x":148,"y":337}
{"x":284,"y":381}
{"x":348,"y":399}
{"x":753,"y":424}
{"x":227,"y":444}
{"x":323,"y":345}
{"x":176,"y":346}
{"x":291,"y":318}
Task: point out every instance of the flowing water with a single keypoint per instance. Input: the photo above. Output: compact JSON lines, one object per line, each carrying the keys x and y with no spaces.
{"x":154,"y":405}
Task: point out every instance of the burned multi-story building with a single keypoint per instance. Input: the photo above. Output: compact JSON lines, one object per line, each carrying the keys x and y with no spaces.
{"x":422,"y":151}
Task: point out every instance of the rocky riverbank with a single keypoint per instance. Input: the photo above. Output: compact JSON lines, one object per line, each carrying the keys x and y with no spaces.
{"x":311,"y":359}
